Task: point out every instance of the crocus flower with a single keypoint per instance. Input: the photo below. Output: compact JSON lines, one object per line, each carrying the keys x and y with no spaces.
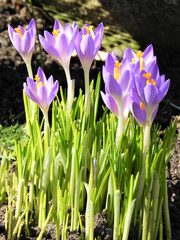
{"x":140,"y":60}
{"x":88,"y":43}
{"x":61,"y":43}
{"x":42,"y":91}
{"x":23,"y":40}
{"x":151,"y":88}
{"x":138,"y":110}
{"x":118,"y":80}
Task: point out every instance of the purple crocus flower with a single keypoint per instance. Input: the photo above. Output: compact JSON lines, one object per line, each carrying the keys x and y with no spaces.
{"x":140,"y":60}
{"x":23,"y":40}
{"x":138,"y":110}
{"x":151,"y":88}
{"x":88,"y":43}
{"x":61,"y":43}
{"x":42,"y":91}
{"x":118,"y":80}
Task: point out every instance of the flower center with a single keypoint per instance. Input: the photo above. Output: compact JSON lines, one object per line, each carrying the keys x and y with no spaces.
{"x":18,"y":30}
{"x":56,"y":32}
{"x":147,"y":76}
{"x":117,"y":70}
{"x":39,"y":84}
{"x":88,"y":29}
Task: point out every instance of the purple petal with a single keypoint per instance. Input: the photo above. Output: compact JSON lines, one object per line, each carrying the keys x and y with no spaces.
{"x":53,"y":93}
{"x":150,"y":92}
{"x":10,"y":32}
{"x":87,"y":47}
{"x":17,"y":42}
{"x":49,"y":82}
{"x":140,"y":83}
{"x":41,"y":75}
{"x":26,"y":42}
{"x":162,"y":92}
{"x":109,"y":64}
{"x":30,"y":94}
{"x":58,"y":25}
{"x":110,"y":103}
{"x":48,"y":48}
{"x":42,"y":97}
{"x":125,"y":81}
{"x":129,"y":54}
{"x":148,"y":53}
{"x":139,"y":114}
{"x":32,"y":85}
{"x":50,"y":38}
{"x":113,"y":88}
{"x":62,"y":44}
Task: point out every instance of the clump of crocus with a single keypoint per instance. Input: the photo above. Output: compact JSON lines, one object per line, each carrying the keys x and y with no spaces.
{"x":88,"y":43}
{"x":151,"y":88}
{"x":24,"y":41}
{"x":42,"y":91}
{"x":118,"y":79}
{"x":61,"y":44}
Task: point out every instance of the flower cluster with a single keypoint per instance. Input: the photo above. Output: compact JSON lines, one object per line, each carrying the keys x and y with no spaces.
{"x":134,"y":84}
{"x":61,"y":44}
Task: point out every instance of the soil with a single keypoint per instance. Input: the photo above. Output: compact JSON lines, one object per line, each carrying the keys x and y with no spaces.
{"x":12,"y":75}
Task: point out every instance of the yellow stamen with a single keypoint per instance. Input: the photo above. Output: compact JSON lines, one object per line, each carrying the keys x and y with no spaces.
{"x":18,"y":30}
{"x":141,"y":64}
{"x":40,"y":84}
{"x":56,"y":32}
{"x":117,"y":70}
{"x":36,"y":78}
{"x":139,"y":54}
{"x":141,"y":105}
{"x":88,"y":29}
{"x":133,"y":61}
{"x":148,"y":75}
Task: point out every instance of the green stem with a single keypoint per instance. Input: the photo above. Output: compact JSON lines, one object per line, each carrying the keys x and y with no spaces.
{"x":87,"y":92}
{"x":29,"y":69}
{"x":70,"y":90}
{"x":116,"y":214}
{"x":46,"y":222}
{"x":146,"y":140}
{"x":120,"y":127}
{"x":166,"y":211}
{"x":19,"y":197}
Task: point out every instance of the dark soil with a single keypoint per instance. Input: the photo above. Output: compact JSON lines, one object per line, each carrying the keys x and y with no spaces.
{"x":12,"y":75}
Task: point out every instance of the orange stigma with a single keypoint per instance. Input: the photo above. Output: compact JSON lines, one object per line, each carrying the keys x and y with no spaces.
{"x":18,"y":30}
{"x":147,"y":76}
{"x":56,"y":32}
{"x":141,"y":105}
{"x":117,"y":70}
